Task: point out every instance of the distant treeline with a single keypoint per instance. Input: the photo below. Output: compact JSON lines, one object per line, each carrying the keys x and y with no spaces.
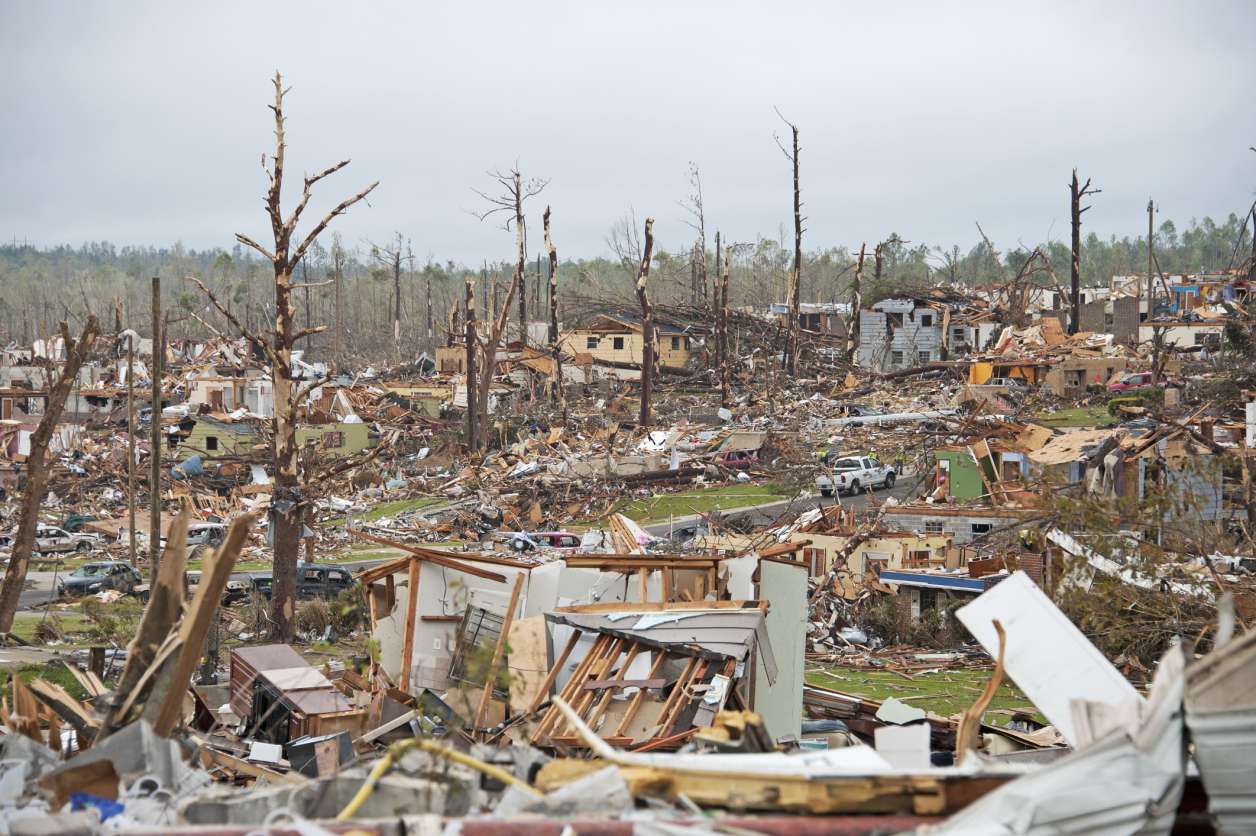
{"x":43,"y":286}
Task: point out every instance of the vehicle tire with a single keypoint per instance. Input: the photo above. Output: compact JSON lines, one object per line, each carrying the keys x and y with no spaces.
{"x":854,"y":487}
{"x":519,"y":545}
{"x":889,"y":480}
{"x":83,"y":547}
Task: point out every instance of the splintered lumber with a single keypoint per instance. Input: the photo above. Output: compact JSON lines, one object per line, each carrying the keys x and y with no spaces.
{"x":165,"y":604}
{"x":88,"y":680}
{"x":165,"y":704}
{"x":67,"y":708}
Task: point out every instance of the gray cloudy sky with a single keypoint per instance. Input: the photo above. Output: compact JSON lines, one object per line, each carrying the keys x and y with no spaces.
{"x":144,"y":122}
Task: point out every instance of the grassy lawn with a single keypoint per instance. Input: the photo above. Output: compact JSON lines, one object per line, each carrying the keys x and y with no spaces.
{"x":942,"y":692}
{"x":24,"y":624}
{"x":665,"y":506}
{"x":389,"y":509}
{"x":1082,"y":416}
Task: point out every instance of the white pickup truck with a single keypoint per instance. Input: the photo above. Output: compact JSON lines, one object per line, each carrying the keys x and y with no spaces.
{"x":853,"y":474}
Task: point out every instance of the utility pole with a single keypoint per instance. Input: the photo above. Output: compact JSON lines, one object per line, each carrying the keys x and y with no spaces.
{"x":472,"y":429}
{"x":130,"y":447}
{"x":154,"y":459}
{"x":1077,"y":191}
{"x":1151,"y":288}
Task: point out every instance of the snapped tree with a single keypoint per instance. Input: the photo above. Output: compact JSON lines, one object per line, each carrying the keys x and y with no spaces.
{"x":290,"y":390}
{"x":60,"y":381}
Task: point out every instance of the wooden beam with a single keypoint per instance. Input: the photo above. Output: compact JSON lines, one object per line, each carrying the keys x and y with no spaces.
{"x":423,"y":554}
{"x":498,"y":650}
{"x":412,"y":610}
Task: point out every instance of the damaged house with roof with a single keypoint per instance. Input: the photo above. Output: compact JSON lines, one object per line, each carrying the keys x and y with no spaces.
{"x":618,"y":341}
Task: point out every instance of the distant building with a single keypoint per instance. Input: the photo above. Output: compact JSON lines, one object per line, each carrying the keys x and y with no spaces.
{"x":900,"y":333}
{"x":618,"y":340}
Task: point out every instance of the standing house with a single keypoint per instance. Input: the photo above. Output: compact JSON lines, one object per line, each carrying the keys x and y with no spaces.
{"x":618,"y":340}
{"x":901,"y":333}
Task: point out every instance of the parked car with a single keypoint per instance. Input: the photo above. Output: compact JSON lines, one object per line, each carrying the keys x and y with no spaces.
{"x":242,"y":585}
{"x":50,"y":538}
{"x":853,"y":474}
{"x":202,"y":536}
{"x":738,"y":459}
{"x":318,"y":581}
{"x":1134,"y":380}
{"x":74,"y":522}
{"x":527,"y":541}
{"x":1006,"y":382}
{"x":98,"y":576}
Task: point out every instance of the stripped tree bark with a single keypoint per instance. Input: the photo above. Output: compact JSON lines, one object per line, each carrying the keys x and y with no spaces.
{"x":721,"y":318}
{"x":290,"y":391}
{"x":856,"y":302}
{"x":390,"y":257}
{"x":37,"y":466}
{"x":472,"y":432}
{"x":552,"y":251}
{"x":647,"y":324}
{"x":1077,"y":192}
{"x":795,"y":276}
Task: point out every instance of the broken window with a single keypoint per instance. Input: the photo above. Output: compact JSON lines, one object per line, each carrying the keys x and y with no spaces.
{"x":211,"y":442}
{"x":590,"y":342}
{"x":923,"y":356}
{"x":333,"y":440}
{"x":675,"y":343}
{"x":981,"y":528}
{"x":894,"y":320}
{"x":896,"y":358}
{"x":926,"y":320}
{"x":934,"y":527}
{"x":618,"y":343}
{"x":474,"y":647}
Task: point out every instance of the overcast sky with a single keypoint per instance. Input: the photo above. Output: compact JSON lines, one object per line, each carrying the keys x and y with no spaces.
{"x":144,"y":123}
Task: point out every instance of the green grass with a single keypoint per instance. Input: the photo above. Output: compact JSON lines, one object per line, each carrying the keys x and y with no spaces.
{"x":1082,"y":416}
{"x":24,"y":624}
{"x":665,"y":506}
{"x":944,"y":692}
{"x":389,"y":509}
{"x":52,"y":672}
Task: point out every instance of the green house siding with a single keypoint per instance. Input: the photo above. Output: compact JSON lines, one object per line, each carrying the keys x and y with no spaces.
{"x":335,"y":440}
{"x":965,"y":480}
{"x":211,"y":440}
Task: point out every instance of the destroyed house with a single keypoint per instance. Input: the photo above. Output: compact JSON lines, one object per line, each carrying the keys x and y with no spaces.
{"x":285,"y":698}
{"x":212,"y":438}
{"x":963,"y":524}
{"x":618,"y":340}
{"x":901,"y":333}
{"x":335,"y":440}
{"x":921,"y":591}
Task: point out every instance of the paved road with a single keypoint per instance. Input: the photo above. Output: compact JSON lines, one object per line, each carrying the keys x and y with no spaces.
{"x":759,"y":515}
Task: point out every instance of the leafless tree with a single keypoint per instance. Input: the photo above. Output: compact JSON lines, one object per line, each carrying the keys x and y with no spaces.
{"x":1076,"y":193}
{"x":693,"y":206}
{"x":287,"y":500}
{"x":515,"y":192}
{"x":390,"y":257}
{"x":856,"y":302}
{"x":647,"y":324}
{"x":625,"y":242}
{"x":795,"y":276}
{"x":60,"y":382}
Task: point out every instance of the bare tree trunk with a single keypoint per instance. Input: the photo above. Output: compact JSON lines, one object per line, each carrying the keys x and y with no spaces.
{"x":721,"y":318}
{"x":1077,"y":192}
{"x":37,"y":466}
{"x":338,"y":267}
{"x":473,"y":438}
{"x":130,"y":450}
{"x":431,"y":336}
{"x":553,"y":282}
{"x":647,"y":324}
{"x":1151,"y":288}
{"x":288,"y":502}
{"x":553,"y":309}
{"x":856,"y":302}
{"x":795,"y":276}
{"x":154,"y":438}
{"x":523,"y":290}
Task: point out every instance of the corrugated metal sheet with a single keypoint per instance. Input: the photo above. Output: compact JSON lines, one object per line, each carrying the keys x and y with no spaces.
{"x":1225,"y":751}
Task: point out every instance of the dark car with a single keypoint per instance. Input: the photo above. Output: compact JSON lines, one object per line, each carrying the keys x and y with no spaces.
{"x":97,"y":576}
{"x":243,"y":585}
{"x":317,"y":581}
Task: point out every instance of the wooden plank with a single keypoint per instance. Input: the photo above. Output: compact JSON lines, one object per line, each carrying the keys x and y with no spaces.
{"x":212,"y":757}
{"x":422,"y":554}
{"x":569,"y":689}
{"x":554,"y":670}
{"x":498,"y":650}
{"x":68,"y":708}
{"x":391,"y":725}
{"x":635,"y":705}
{"x":412,"y":610}
{"x":195,"y":626}
{"x":528,"y":660}
{"x":600,"y":684}
{"x":609,"y":692}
